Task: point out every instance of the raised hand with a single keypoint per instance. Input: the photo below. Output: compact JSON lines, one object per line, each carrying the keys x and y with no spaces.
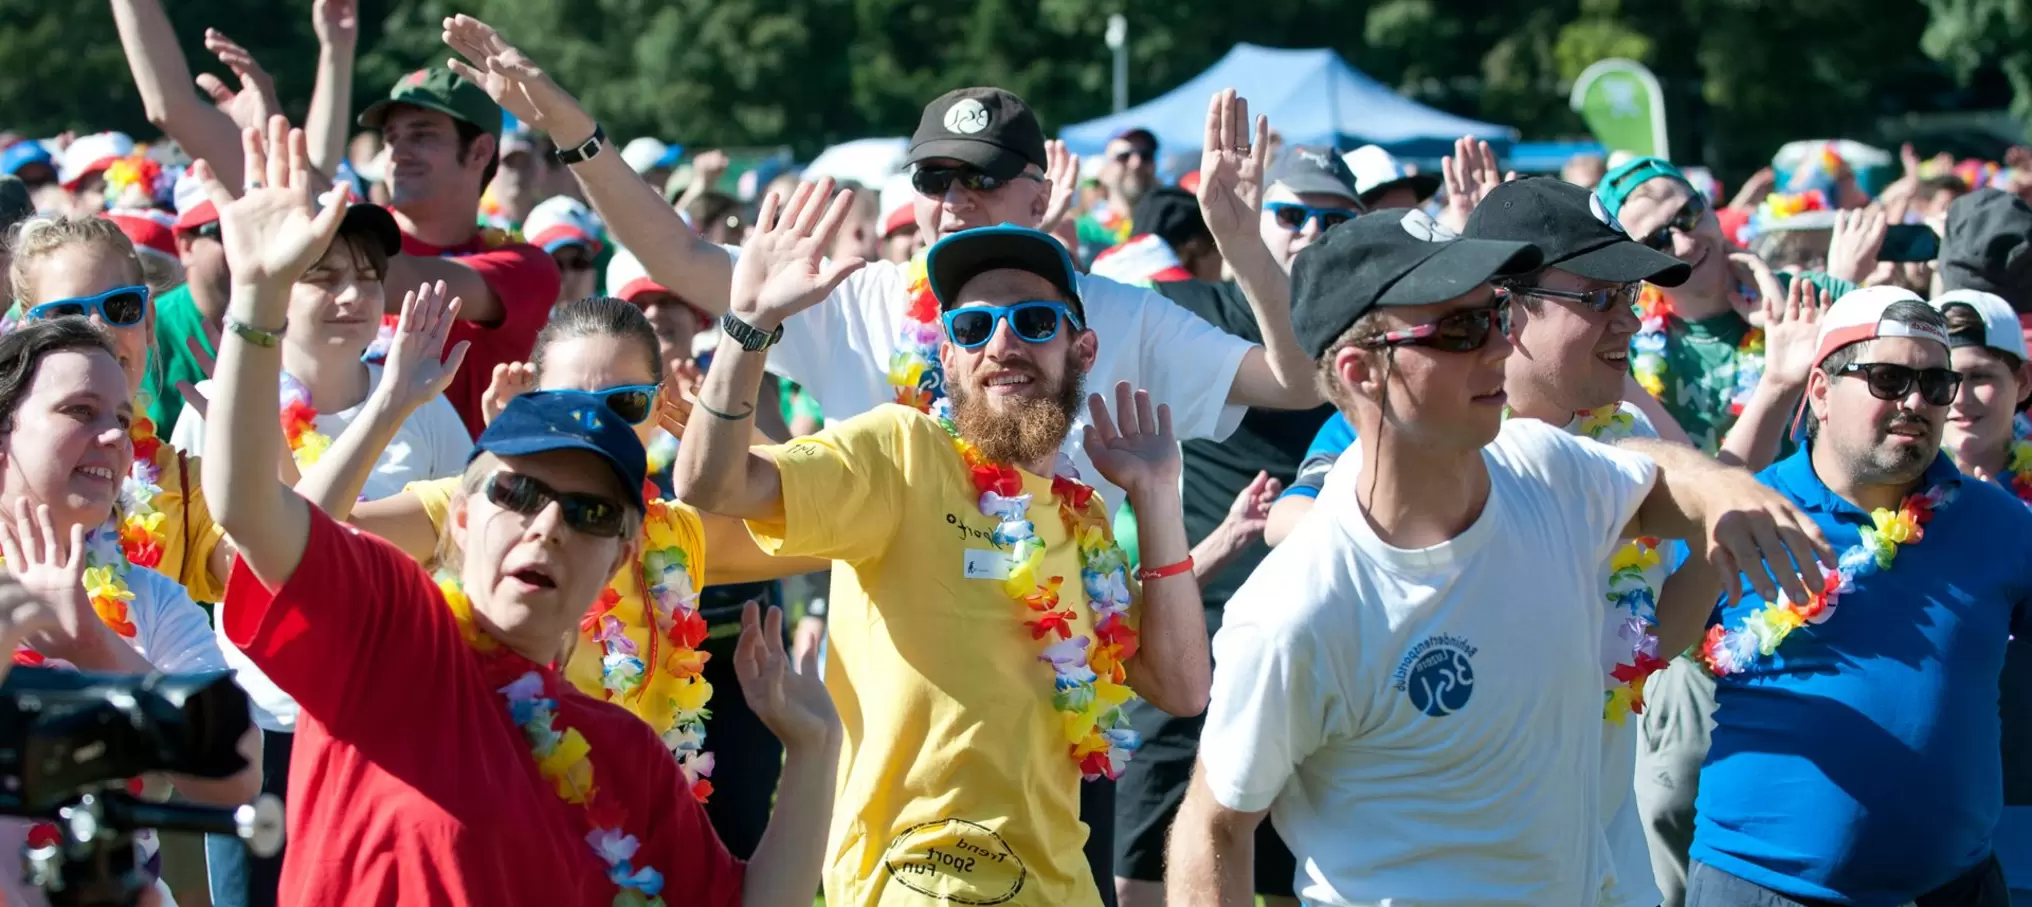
{"x":514,"y":81}
{"x":510,"y":380}
{"x":1062,"y":172}
{"x":1250,"y":512}
{"x":417,"y":369}
{"x":791,"y":702}
{"x":1231,"y":166}
{"x":337,"y":22}
{"x":51,"y":567}
{"x":255,"y":102}
{"x":1137,"y":449}
{"x":783,"y":270}
{"x":1754,"y":273}
{"x":709,"y":166}
{"x":274,"y":231}
{"x":1791,"y":330}
{"x":1858,"y":237}
{"x":1470,"y":174}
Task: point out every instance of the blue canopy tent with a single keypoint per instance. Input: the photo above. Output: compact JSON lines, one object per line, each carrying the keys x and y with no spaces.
{"x":1313,"y":97}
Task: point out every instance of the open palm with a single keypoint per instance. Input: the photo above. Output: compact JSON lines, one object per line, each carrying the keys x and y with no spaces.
{"x":417,"y":368}
{"x":513,"y":80}
{"x":783,"y":269}
{"x":788,"y":696}
{"x":1136,"y":448}
{"x":274,"y":231}
{"x":1231,"y":167}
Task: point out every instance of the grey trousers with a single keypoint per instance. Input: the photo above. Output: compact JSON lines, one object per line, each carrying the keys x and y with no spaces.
{"x":1679,"y":704}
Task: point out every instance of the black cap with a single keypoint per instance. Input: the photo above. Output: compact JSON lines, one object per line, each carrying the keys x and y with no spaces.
{"x":543,"y":421}
{"x":375,"y":223}
{"x":1988,"y":246}
{"x":961,"y":256}
{"x":15,"y":205}
{"x":1306,"y":168}
{"x":1574,"y":231}
{"x":1396,"y":256}
{"x":987,"y":128}
{"x":1171,"y":214}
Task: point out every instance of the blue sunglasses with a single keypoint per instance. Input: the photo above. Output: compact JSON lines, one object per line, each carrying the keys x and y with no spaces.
{"x":1033,"y":322}
{"x":1292,"y":216}
{"x":120,"y":307}
{"x":634,"y":403}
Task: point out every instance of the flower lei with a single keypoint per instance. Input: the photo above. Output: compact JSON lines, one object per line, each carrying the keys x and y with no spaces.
{"x":1728,"y":651}
{"x":1089,"y":683}
{"x":662,"y":452}
{"x":670,"y":671}
{"x":914,"y":372}
{"x":2019,"y":467}
{"x":299,"y":424}
{"x":563,"y":758}
{"x":1630,"y":653}
{"x":1647,"y":351}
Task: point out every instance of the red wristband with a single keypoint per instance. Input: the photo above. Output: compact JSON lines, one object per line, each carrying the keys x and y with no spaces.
{"x":1149,"y":573}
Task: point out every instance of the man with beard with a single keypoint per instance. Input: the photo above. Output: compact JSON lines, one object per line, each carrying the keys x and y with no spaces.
{"x":967,"y":552}
{"x":1128,"y":172}
{"x":1855,"y":747}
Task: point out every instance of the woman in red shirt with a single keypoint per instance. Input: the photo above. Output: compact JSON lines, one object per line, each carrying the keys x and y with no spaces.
{"x":440,"y":757}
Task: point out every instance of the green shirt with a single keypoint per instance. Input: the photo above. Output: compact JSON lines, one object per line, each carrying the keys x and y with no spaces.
{"x":176,"y":319}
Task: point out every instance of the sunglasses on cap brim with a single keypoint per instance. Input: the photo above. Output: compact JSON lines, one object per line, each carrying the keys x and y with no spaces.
{"x":120,"y":307}
{"x":633,"y":403}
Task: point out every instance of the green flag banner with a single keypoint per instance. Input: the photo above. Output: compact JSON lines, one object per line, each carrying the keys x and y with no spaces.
{"x":1623,"y":106}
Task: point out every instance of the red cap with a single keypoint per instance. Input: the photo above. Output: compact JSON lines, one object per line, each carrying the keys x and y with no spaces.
{"x":149,"y":231}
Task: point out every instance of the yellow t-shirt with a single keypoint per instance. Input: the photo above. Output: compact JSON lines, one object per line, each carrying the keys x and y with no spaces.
{"x":956,"y":782}
{"x":188,"y":534}
{"x":671,"y":688}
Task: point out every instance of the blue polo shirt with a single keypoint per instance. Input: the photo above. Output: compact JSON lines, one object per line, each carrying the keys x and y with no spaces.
{"x":1859,"y":764}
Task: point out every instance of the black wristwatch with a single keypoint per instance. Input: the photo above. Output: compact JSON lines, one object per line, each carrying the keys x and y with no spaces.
{"x":583,"y":150}
{"x":750,"y":337}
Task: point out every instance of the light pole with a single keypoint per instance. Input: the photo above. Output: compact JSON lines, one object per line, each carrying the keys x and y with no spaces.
{"x":1118,"y":41}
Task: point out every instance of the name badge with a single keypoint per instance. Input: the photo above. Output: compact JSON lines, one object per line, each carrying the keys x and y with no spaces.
{"x":986,"y":564}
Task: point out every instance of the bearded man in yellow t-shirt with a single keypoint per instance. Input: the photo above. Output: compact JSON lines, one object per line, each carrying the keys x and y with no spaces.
{"x":985,"y":628}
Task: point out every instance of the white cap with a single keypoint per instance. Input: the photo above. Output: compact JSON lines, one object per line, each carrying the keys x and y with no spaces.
{"x":2001,"y":330}
{"x":92,"y":153}
{"x":1375,"y":168}
{"x":646,"y":154}
{"x":1859,"y":316}
{"x":898,"y":199}
{"x":560,"y":221}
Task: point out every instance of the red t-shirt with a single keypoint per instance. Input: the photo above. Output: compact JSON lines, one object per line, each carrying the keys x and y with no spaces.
{"x":410,"y":783}
{"x":527,"y":280}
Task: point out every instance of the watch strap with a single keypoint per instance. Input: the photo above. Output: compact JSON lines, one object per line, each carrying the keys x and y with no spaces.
{"x":750,"y":337}
{"x":583,"y":151}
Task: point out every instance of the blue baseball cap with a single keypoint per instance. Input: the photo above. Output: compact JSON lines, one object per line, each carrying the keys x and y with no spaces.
{"x":23,"y":153}
{"x":1617,"y":185}
{"x":544,"y":421}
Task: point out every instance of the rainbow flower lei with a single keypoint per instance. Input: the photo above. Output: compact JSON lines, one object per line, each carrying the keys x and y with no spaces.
{"x":1089,"y":685}
{"x":914,"y":372}
{"x":2020,"y":464}
{"x":1630,"y":648}
{"x":1647,"y":349}
{"x":299,"y":424}
{"x":563,"y":758}
{"x":1728,"y":651}
{"x":667,"y":669}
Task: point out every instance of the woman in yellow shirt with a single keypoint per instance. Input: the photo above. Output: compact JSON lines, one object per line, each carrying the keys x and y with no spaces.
{"x":607,"y":349}
{"x":86,"y":266}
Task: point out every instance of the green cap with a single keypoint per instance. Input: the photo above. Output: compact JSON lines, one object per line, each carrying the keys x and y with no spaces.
{"x":1623,"y":179}
{"x":437,"y":88}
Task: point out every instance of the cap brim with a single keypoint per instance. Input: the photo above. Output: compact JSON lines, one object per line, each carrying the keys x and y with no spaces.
{"x":630,"y":479}
{"x":1458,"y":268}
{"x":1626,"y":261}
{"x":200,"y":214}
{"x":1424,"y":185}
{"x":991,"y":159}
{"x":960,"y":257}
{"x":376,"y":222}
{"x":376,"y":112}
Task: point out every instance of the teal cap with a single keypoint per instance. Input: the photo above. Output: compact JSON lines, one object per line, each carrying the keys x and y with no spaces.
{"x":1618,"y":183}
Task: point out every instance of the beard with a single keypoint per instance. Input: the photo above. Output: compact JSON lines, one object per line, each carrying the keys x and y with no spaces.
{"x":1893,"y":465}
{"x":1023,"y":429}
{"x":1134,"y":185}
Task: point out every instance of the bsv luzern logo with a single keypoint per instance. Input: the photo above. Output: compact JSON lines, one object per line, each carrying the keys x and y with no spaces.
{"x":1437,"y":674}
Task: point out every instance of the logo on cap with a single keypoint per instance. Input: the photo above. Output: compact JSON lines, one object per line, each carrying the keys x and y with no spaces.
{"x":1315,"y":158}
{"x":1601,"y":213}
{"x":1421,"y":225}
{"x":966,"y":117}
{"x":417,"y":77}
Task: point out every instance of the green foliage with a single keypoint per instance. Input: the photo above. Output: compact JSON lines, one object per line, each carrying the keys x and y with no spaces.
{"x":1741,"y":75}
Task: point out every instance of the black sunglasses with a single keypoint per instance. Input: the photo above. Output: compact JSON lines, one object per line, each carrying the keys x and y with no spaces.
{"x":933,"y":182}
{"x":591,"y":514}
{"x":1460,"y":332}
{"x":573,"y":262}
{"x":207,"y":230}
{"x":1937,"y":386}
{"x":1685,"y":221}
{"x":1123,"y":156}
{"x":1596,"y":300}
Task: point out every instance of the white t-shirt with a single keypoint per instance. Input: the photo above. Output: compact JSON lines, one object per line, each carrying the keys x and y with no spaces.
{"x":1424,"y":725}
{"x":431,"y":444}
{"x":171,"y":632}
{"x":840,"y":351}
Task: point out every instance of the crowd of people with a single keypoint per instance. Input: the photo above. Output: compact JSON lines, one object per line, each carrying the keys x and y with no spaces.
{"x":581,"y":533}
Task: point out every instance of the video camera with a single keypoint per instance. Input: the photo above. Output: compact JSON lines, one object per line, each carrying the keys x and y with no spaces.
{"x":69,"y":742}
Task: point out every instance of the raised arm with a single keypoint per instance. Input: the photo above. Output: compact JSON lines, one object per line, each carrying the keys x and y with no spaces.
{"x":795,"y":707}
{"x":163,"y":77}
{"x":782,"y":272}
{"x":633,"y":210}
{"x":1211,"y":857}
{"x":273,"y":234}
{"x":337,"y":23}
{"x":1278,"y":374}
{"x":1791,"y":329}
{"x":1747,"y":528}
